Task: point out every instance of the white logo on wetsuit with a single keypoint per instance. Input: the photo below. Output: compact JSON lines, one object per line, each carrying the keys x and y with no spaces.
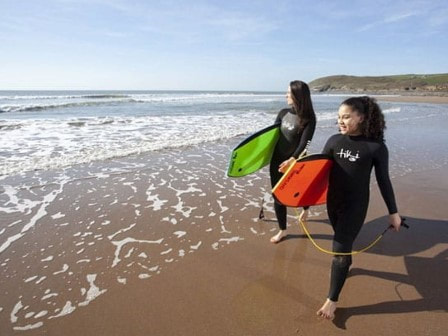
{"x":347,"y":154}
{"x":289,"y":126}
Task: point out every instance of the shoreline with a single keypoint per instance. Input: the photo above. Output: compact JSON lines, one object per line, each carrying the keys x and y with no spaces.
{"x":395,"y":96}
{"x":413,"y":99}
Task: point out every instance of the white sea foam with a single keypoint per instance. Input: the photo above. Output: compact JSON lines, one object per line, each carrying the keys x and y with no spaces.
{"x":29,"y":326}
{"x":190,"y":189}
{"x":195,"y":247}
{"x":41,"y":279}
{"x":15,"y":310}
{"x":121,"y":231}
{"x":121,"y":280}
{"x":180,"y":234}
{"x":93,"y":292}
{"x":184,"y":210}
{"x":49,"y":295}
{"x":30,"y":279}
{"x":66,"y":310}
{"x":49,"y":258}
{"x":119,"y":245}
{"x":231,"y":240}
{"x":53,"y":143}
{"x":58,"y":215}
{"x":392,"y":110}
{"x":41,"y":314}
{"x":41,"y":212}
{"x":157,"y":203}
{"x":166,"y":252}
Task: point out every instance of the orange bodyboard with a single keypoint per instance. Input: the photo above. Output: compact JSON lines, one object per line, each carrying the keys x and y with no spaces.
{"x":305,"y":183}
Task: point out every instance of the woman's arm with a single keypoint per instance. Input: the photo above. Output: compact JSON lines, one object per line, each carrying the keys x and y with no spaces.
{"x":280,"y":116}
{"x":381,"y":164}
{"x":306,"y":137}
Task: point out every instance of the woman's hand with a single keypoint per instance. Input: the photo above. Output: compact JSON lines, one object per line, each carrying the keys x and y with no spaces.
{"x":395,"y":221}
{"x":285,"y":164}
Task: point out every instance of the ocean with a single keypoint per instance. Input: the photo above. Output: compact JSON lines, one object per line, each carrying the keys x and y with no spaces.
{"x":44,"y":130}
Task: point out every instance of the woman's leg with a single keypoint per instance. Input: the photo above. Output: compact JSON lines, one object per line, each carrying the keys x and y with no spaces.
{"x":340,"y":266}
{"x":346,"y":230}
{"x":304,"y":214}
{"x":280,"y":213}
{"x":280,"y":209}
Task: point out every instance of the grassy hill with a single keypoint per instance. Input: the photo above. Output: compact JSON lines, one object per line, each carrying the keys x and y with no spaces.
{"x":412,"y":83}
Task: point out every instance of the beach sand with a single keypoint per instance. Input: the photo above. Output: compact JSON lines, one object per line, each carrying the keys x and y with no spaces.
{"x":413,"y":99}
{"x":165,"y":244}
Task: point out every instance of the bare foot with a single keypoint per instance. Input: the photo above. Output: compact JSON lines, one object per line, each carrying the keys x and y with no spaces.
{"x":327,"y":310}
{"x":278,"y":237}
{"x":303,"y":215}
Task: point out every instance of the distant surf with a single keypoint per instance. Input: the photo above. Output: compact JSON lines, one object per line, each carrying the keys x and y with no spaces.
{"x":44,"y":130}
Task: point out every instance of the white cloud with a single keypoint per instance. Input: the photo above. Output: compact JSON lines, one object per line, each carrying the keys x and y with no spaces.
{"x":387,"y":20}
{"x":398,"y":17}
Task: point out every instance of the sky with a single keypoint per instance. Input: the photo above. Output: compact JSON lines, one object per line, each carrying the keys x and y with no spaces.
{"x":214,"y":45}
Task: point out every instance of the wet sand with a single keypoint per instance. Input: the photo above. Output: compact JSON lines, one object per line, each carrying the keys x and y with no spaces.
{"x":413,"y":99}
{"x":165,"y":244}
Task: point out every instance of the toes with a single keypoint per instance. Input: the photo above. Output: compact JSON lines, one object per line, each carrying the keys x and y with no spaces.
{"x":275,"y":240}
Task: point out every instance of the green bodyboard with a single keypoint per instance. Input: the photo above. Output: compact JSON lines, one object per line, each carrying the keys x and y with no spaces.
{"x":253,"y":153}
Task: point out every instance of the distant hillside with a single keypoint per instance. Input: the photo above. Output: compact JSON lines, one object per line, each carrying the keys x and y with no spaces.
{"x":432,"y":83}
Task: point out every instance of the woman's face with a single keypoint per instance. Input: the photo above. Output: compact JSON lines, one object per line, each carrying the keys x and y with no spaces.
{"x":349,"y":121}
{"x":289,"y":97}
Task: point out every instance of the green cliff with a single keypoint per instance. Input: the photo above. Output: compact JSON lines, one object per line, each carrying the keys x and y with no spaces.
{"x":431,"y":83}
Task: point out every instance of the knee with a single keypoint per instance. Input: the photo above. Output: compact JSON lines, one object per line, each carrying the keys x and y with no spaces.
{"x":278,"y":205}
{"x":342,"y":261}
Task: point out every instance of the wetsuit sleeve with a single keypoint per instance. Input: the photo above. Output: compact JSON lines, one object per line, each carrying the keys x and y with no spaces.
{"x":328,"y":148}
{"x":306,"y":137}
{"x":280,"y":116}
{"x":381,"y":164}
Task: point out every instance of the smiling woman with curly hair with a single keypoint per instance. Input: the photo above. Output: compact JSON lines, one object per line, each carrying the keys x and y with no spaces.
{"x":356,"y":150}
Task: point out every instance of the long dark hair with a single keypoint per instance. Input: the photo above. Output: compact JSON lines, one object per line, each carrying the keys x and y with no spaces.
{"x":373,"y":124}
{"x":302,"y":105}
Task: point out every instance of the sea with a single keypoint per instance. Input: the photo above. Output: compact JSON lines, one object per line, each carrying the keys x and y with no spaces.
{"x":47,"y":130}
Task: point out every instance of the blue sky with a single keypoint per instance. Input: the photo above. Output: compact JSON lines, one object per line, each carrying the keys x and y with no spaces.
{"x":214,"y":45}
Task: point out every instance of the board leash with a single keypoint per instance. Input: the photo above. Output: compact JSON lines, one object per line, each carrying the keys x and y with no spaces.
{"x":316,"y":245}
{"x":308,"y":234}
{"x":373,"y":243}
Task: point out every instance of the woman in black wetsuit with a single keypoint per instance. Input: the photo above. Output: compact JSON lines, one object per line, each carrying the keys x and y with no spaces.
{"x":356,"y":150}
{"x":297,"y":128}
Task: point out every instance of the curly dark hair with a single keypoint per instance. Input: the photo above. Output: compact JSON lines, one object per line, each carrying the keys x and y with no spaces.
{"x":303,"y":106}
{"x":373,"y":125}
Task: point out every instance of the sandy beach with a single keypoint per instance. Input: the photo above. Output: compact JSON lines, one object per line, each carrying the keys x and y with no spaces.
{"x":413,"y":99}
{"x":176,"y":248}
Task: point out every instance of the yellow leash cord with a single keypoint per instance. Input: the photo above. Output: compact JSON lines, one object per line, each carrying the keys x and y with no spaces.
{"x":302,"y":224}
{"x":305,"y":229}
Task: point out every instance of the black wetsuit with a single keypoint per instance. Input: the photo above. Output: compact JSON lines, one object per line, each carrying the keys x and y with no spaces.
{"x":293,"y":140}
{"x":348,"y":194}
